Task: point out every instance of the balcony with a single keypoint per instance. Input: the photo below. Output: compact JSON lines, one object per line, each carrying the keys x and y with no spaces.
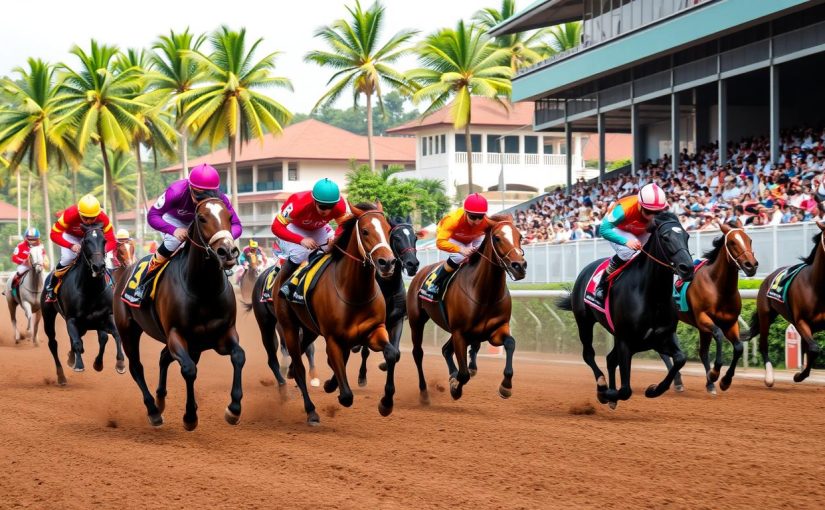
{"x":270,"y":185}
{"x":245,"y":187}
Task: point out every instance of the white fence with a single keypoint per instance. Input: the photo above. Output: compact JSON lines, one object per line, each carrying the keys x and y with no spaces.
{"x":774,"y":246}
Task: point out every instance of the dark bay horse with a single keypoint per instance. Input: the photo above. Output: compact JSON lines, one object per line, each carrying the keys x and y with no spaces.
{"x":804,"y":308}
{"x":402,"y":241}
{"x":85,"y":302}
{"x":714,"y":301}
{"x":193,"y":311}
{"x":642,"y":307}
{"x":348,"y":307}
{"x":477,"y":303}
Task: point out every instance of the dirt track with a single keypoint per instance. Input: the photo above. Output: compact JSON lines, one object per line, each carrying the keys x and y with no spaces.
{"x":89,"y":443}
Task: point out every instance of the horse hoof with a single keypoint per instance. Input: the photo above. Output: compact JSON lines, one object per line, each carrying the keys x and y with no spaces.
{"x":385,"y":410}
{"x":424,"y":398}
{"x":356,"y":349}
{"x":503,"y":392}
{"x":769,"y":375}
{"x":711,"y":390}
{"x":455,"y":388}
{"x":313,"y":420}
{"x":473,"y":372}
{"x":713,"y":375}
{"x":231,"y":418}
{"x":612,"y":405}
{"x":382,"y":366}
{"x":160,"y":402}
{"x":725,"y":383}
{"x":80,"y":369}
{"x":120,"y":366}
{"x":679,"y":388}
{"x":330,"y":385}
{"x":156,"y":420}
{"x":315,"y":382}
{"x":70,"y":359}
{"x":98,"y":366}
{"x":799,"y":377}
{"x":345,"y":400}
{"x":190,"y":425}
{"x":600,"y":396}
{"x":362,"y":381}
{"x":651,"y":392}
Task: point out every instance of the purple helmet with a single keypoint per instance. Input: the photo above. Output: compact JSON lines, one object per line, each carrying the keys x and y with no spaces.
{"x":204,"y":176}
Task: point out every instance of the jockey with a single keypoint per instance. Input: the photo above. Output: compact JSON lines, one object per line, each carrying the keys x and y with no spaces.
{"x":303,"y":223}
{"x":122,"y":236}
{"x":252,"y":247}
{"x":625,"y":226}
{"x":174,"y":211}
{"x":460,"y":233}
{"x":21,"y":254}
{"x":67,"y":232}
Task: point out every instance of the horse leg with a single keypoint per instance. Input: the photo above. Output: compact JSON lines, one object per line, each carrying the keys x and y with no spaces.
{"x":672,"y":349}
{"x":270,"y":341}
{"x":102,"y":338}
{"x":417,"y":336}
{"x":447,"y":350}
{"x":462,"y":377}
{"x":120,"y":363}
{"x":812,"y":348}
{"x":27,"y":310}
{"x":291,"y":339}
{"x":337,"y":358}
{"x":230,"y":346}
{"x":179,"y":349}
{"x":738,"y":348}
{"x":35,"y":327}
{"x":380,"y":340}
{"x":585,"y":328}
{"x":704,"y":348}
{"x":362,"y":371}
{"x":49,"y":316}
{"x":13,"y":314}
{"x":765,"y":315}
{"x":395,"y":339}
{"x":473,"y":365}
{"x":503,"y":337}
{"x":131,"y":345}
{"x":309,"y":352}
{"x":678,"y":385}
{"x":166,"y":359}
{"x":624,"y":358}
{"x":76,"y":352}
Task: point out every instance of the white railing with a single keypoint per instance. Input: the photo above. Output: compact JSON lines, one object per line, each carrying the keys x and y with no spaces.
{"x":532,"y":159}
{"x":555,"y":159}
{"x":461,"y":157}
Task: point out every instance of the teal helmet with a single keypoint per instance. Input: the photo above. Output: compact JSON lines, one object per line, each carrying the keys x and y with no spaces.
{"x":326,"y":192}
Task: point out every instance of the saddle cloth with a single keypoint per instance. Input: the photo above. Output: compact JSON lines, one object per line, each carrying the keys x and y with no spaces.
{"x":778,"y":289}
{"x":134,"y":294}
{"x":305,"y":278}
{"x":269,"y":283}
{"x":590,"y":289}
{"x":680,"y":287}
{"x":427,"y":292}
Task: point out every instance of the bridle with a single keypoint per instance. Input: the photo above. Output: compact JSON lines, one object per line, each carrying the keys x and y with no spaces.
{"x":396,"y":230}
{"x":659,"y":246}
{"x":83,"y":251}
{"x":36,"y":270}
{"x":504,"y":262}
{"x":746,"y":252}
{"x":220,"y":234}
{"x":366,"y":258}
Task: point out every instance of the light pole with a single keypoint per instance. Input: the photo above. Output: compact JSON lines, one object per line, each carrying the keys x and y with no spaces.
{"x":500,"y":142}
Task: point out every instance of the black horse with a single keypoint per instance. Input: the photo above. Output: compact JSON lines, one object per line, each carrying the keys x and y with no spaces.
{"x":402,"y":241}
{"x":641,"y":305}
{"x":85,"y":302}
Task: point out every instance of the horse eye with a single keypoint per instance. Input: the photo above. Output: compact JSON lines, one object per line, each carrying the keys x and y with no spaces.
{"x":201,"y":219}
{"x":365,"y":232}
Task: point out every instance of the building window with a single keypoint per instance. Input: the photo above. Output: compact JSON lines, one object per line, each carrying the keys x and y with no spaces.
{"x":548,"y":147}
{"x":246,"y":209}
{"x":461,"y":145}
{"x":424,"y":146}
{"x":270,"y":177}
{"x":437,"y":148}
{"x":493,"y":144}
{"x":292,"y":171}
{"x":443,"y":143}
{"x":244,"y":180}
{"x":430,"y":144}
{"x":531,"y":144}
{"x":511,"y":145}
{"x":562,"y":148}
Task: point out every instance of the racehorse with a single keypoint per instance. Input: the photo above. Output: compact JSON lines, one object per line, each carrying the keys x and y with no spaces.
{"x":85,"y":302}
{"x":714,"y":304}
{"x":124,"y":254}
{"x":250,"y":274}
{"x":193,"y":310}
{"x":402,"y":241}
{"x":477,"y":305}
{"x":28,"y":295}
{"x":804,"y":307}
{"x":641,"y":306}
{"x":348,"y":307}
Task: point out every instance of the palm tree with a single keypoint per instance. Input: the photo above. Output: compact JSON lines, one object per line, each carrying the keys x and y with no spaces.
{"x":563,"y":37}
{"x":458,"y":64}
{"x":121,"y":177}
{"x":525,"y":48}
{"x":177,"y":73}
{"x":229,"y":107}
{"x":358,"y":60}
{"x":28,"y":129}
{"x":98,"y":102}
{"x":156,"y":132}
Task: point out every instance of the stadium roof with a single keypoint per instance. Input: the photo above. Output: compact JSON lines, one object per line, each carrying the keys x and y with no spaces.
{"x":542,"y":13}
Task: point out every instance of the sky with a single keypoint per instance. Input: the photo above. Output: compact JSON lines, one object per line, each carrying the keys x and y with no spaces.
{"x":47,"y":29}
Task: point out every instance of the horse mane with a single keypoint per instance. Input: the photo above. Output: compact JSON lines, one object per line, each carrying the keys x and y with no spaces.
{"x":711,"y":254}
{"x":347,"y":226}
{"x":662,"y":217}
{"x":809,"y":260}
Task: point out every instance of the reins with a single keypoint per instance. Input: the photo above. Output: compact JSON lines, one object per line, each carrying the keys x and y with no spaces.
{"x":504,"y":262}
{"x":366,"y":257}
{"x":735,"y":260}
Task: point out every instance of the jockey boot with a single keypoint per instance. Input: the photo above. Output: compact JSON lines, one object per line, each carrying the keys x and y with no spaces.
{"x":53,"y":281}
{"x":155,"y":263}
{"x":287,"y":269}
{"x":437,"y":285}
{"x":601,"y":289}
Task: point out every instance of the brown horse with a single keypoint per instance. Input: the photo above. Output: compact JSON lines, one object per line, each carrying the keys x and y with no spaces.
{"x":348,"y":308}
{"x":804,"y":307}
{"x":714,"y":302}
{"x":250,"y":274}
{"x":194,"y":310}
{"x":124,"y":254}
{"x":477,"y":305}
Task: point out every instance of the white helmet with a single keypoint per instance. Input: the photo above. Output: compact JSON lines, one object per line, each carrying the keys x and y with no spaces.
{"x":652,"y":197}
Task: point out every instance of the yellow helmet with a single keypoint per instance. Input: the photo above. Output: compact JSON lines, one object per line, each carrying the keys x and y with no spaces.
{"x":253,"y":243}
{"x":122,"y":234}
{"x":88,"y":206}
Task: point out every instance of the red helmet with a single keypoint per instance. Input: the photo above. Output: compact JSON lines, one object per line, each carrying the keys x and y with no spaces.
{"x":652,"y":197}
{"x":475,"y":204}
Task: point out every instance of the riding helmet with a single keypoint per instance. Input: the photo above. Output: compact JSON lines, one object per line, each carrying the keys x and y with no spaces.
{"x":326,"y":192}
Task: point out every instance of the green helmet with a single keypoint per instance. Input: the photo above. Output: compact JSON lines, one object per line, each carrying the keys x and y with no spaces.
{"x":326,"y":192}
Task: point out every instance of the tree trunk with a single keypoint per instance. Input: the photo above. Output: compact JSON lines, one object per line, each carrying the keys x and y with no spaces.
{"x":184,"y":153}
{"x":29,"y":200}
{"x":107,"y":172}
{"x":140,"y":196}
{"x":369,"y":133}
{"x":47,"y":212}
{"x":19,"y":208}
{"x":233,"y":171}
{"x":468,"y":140}
{"x":74,"y":186}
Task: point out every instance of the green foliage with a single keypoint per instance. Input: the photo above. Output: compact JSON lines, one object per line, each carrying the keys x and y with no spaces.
{"x":615,"y":165}
{"x":524,"y":48}
{"x":400,"y":197}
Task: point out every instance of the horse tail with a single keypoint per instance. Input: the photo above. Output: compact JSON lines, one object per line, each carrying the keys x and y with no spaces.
{"x":753,"y":329}
{"x":565,"y":302}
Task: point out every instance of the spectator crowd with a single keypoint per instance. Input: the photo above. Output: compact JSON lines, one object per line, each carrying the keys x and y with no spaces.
{"x":748,"y":187}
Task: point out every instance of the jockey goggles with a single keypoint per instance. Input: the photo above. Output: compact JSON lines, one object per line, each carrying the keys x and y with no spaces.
{"x":324,"y":207}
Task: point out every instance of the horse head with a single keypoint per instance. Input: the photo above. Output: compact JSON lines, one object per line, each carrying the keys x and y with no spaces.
{"x":253,"y":261}
{"x":125,"y":252}
{"x":506,"y":246}
{"x":37,"y":257}
{"x":402,"y":241}
{"x":213,"y":231}
{"x":93,"y":248}
{"x":372,"y":232}
{"x":668,"y":245}
{"x":739,"y":248}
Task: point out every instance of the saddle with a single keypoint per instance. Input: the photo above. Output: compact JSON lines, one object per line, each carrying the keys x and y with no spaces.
{"x":680,"y":287}
{"x":134,"y":294}
{"x":778,"y":290}
{"x":590,"y":298}
{"x":15,"y":283}
{"x":432,"y":293}
{"x":305,"y":278}
{"x":59,"y":274}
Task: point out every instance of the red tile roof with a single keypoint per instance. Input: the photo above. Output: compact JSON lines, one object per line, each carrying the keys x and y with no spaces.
{"x":485,"y":112}
{"x":314,"y":140}
{"x":617,"y":146}
{"x":8,"y":213}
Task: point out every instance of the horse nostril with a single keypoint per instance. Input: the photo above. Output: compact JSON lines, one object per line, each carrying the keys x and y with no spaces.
{"x":684,"y":268}
{"x":222,"y":252}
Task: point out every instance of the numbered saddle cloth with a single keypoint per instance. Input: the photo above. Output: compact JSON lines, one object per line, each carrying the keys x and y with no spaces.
{"x":269,"y":283}
{"x":432,"y":293}
{"x":305,"y":278}
{"x":779,"y":285}
{"x":680,"y":287}
{"x":142,"y":285}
